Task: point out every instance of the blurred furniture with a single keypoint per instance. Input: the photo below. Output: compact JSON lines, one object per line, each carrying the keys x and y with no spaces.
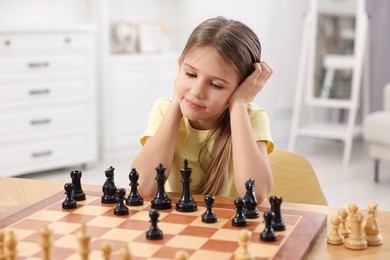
{"x":376,"y":131}
{"x":47,"y":99}
{"x":295,"y":179}
{"x":322,"y":57}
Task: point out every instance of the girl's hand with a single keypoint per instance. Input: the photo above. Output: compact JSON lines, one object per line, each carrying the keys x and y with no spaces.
{"x":252,"y":85}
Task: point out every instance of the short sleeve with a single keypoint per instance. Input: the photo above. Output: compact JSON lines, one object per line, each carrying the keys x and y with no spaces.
{"x":261,"y":126}
{"x":156,"y":115}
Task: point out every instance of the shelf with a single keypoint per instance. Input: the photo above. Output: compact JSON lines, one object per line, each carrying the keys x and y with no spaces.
{"x":327,"y":131}
{"x":330,"y":103}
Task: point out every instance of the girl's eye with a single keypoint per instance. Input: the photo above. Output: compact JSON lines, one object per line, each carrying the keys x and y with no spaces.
{"x":191,"y":75}
{"x":216,"y":86}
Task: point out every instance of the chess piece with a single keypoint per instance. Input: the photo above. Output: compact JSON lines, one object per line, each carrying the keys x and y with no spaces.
{"x":243,"y":253}
{"x":124,"y":253}
{"x":268,"y":234}
{"x":134,"y":198}
{"x":277,"y":223}
{"x":84,"y":239}
{"x":250,"y":200}
{"x":2,"y":255}
{"x":344,"y":230}
{"x":356,"y":239}
{"x":78,"y":193}
{"x":371,"y":228}
{"x":186,"y":203}
{"x":239,"y":220}
{"x":154,"y":232}
{"x":161,"y":200}
{"x":335,"y":238}
{"x":45,"y":243}
{"x":69,"y":202}
{"x":106,"y":250}
{"x":109,"y":188}
{"x":181,"y":255}
{"x":209,"y":216}
{"x":10,"y":244}
{"x":352,"y":209}
{"x":120,"y":208}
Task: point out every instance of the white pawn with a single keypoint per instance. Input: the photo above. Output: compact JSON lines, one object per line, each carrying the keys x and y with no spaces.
{"x":181,"y":255}
{"x":356,"y":239}
{"x":243,"y":253}
{"x":344,"y":230}
{"x":106,"y":250}
{"x":335,"y":238}
{"x":352,"y":209}
{"x":125,"y":254}
{"x":371,"y":228}
{"x":10,"y":244}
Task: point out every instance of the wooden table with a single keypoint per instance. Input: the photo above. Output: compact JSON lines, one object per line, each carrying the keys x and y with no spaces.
{"x":16,"y":194}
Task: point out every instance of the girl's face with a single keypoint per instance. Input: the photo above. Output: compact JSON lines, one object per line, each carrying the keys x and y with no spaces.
{"x":204,"y":86}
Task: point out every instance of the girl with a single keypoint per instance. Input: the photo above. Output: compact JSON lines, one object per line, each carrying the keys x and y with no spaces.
{"x":210,"y":120}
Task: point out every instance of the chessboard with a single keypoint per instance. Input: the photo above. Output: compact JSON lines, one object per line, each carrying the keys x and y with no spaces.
{"x":183,"y":231}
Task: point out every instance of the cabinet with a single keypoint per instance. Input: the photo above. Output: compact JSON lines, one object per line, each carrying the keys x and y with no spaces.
{"x":131,"y":82}
{"x":47,"y":99}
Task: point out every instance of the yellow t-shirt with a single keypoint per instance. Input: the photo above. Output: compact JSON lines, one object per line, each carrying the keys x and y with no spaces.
{"x":190,"y":140}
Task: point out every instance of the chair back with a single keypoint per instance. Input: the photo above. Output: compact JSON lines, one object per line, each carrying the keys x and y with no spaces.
{"x":295,"y":179}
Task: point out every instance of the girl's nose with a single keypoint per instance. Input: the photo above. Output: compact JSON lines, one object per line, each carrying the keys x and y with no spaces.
{"x":198,"y":89}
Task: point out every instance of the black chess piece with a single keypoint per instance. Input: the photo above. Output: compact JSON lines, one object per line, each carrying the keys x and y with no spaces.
{"x":154,"y":232}
{"x":277,"y":223}
{"x":250,"y":200}
{"x":209,"y":216}
{"x":268,"y":233}
{"x":186,"y":203}
{"x":109,"y":188}
{"x":134,"y":198}
{"x":69,"y":202}
{"x":120,"y":208}
{"x":161,"y":200}
{"x":77,"y":193}
{"x":239,"y":220}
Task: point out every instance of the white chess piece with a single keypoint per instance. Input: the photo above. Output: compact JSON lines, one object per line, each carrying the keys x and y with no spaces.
{"x":356,"y":239}
{"x":371,"y":228}
{"x":335,"y":238}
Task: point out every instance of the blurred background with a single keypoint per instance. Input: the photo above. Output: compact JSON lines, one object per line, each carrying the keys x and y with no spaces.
{"x":78,"y":77}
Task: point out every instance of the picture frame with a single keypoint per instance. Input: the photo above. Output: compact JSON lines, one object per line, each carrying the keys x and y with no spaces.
{"x":150,"y":37}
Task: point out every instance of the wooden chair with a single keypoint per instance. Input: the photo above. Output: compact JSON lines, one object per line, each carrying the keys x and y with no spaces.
{"x":295,"y":179}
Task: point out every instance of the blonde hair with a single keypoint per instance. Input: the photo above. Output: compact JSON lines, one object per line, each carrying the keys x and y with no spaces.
{"x":239,"y":46}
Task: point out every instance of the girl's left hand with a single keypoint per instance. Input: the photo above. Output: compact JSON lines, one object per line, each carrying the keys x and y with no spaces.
{"x":252,"y":85}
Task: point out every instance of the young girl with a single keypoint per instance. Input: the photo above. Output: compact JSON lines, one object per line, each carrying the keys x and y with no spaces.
{"x":210,"y":120}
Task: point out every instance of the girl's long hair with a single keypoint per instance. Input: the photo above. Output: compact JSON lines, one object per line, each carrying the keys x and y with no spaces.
{"x":239,"y":46}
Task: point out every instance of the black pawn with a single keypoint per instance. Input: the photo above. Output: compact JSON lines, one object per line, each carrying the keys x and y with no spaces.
{"x":250,"y":200}
{"x":78,"y":193}
{"x":268,"y":234}
{"x":134,"y":198}
{"x":278,"y":223}
{"x":154,"y":232}
{"x":239,"y":220}
{"x":186,"y":203}
{"x":120,"y":208}
{"x":109,"y":188}
{"x":209,"y":216}
{"x":161,"y":200}
{"x":69,"y":202}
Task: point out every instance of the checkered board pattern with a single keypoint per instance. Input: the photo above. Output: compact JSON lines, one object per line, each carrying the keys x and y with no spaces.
{"x":182,"y":231}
